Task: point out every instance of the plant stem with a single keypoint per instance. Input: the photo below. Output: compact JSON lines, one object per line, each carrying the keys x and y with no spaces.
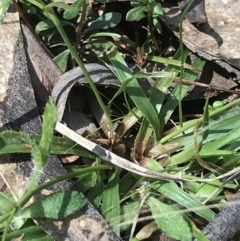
{"x":28,"y":194}
{"x":182,"y":61}
{"x":11,"y":215}
{"x":51,"y":14}
{"x":24,"y":199}
{"x":80,"y":25}
{"x":57,"y":23}
{"x":4,"y":217}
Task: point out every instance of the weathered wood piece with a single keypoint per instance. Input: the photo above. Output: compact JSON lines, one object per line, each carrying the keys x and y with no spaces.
{"x":215,"y":36}
{"x":43,"y":72}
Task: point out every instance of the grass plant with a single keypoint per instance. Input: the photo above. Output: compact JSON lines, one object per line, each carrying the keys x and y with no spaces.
{"x":205,"y":147}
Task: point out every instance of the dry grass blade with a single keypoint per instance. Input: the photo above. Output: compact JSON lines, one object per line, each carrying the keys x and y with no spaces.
{"x":111,"y":157}
{"x":125,"y":164}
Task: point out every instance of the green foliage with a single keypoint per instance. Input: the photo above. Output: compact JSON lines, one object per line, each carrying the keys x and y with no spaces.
{"x":204,"y":190}
{"x":137,"y":13}
{"x":4,"y":5}
{"x":133,"y":89}
{"x":144,"y":9}
{"x":155,"y":8}
{"x":6,"y":203}
{"x":135,"y":239}
{"x":15,"y":142}
{"x":216,"y":134}
{"x":31,"y":232}
{"x":47,"y":24}
{"x":87,"y":181}
{"x":198,"y":234}
{"x":62,"y":60}
{"x":169,"y":220}
{"x":129,"y":211}
{"x":217,"y":104}
{"x":106,"y":21}
{"x":110,"y":204}
{"x":28,"y":7}
{"x":55,"y":205}
{"x":69,"y":14}
{"x":95,"y":194}
{"x":48,"y":126}
{"x":173,"y":192}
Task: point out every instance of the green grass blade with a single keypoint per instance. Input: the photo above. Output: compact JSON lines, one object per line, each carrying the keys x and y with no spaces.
{"x":218,"y":127}
{"x":126,"y":182}
{"x":183,"y":156}
{"x":172,"y":191}
{"x":172,"y":101}
{"x":228,"y":138}
{"x":173,"y":62}
{"x":191,"y":124}
{"x":6,"y":203}
{"x":133,"y":89}
{"x":163,"y":84}
{"x":30,"y":233}
{"x":111,"y":202}
{"x":198,"y":234}
{"x":86,"y":181}
{"x":95,"y":194}
{"x":206,"y":189}
{"x":214,"y":153}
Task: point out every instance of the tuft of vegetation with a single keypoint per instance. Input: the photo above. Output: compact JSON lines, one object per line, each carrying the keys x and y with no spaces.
{"x":204,"y":149}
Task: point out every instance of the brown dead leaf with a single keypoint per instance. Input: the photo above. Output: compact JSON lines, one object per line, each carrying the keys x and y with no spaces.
{"x":147,"y":231}
{"x":69,"y":159}
{"x":19,"y":238}
{"x":160,"y":150}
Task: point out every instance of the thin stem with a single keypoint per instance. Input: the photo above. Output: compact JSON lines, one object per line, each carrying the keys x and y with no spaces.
{"x":81,"y":23}
{"x":150,"y":25}
{"x":26,"y":197}
{"x":30,"y":189}
{"x":57,"y":23}
{"x":78,"y":30}
{"x":182,"y":62}
{"x":4,"y":217}
{"x":23,"y":200}
{"x":8,"y":224}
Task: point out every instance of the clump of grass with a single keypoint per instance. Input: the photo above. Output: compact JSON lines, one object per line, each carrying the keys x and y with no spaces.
{"x":200,"y":146}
